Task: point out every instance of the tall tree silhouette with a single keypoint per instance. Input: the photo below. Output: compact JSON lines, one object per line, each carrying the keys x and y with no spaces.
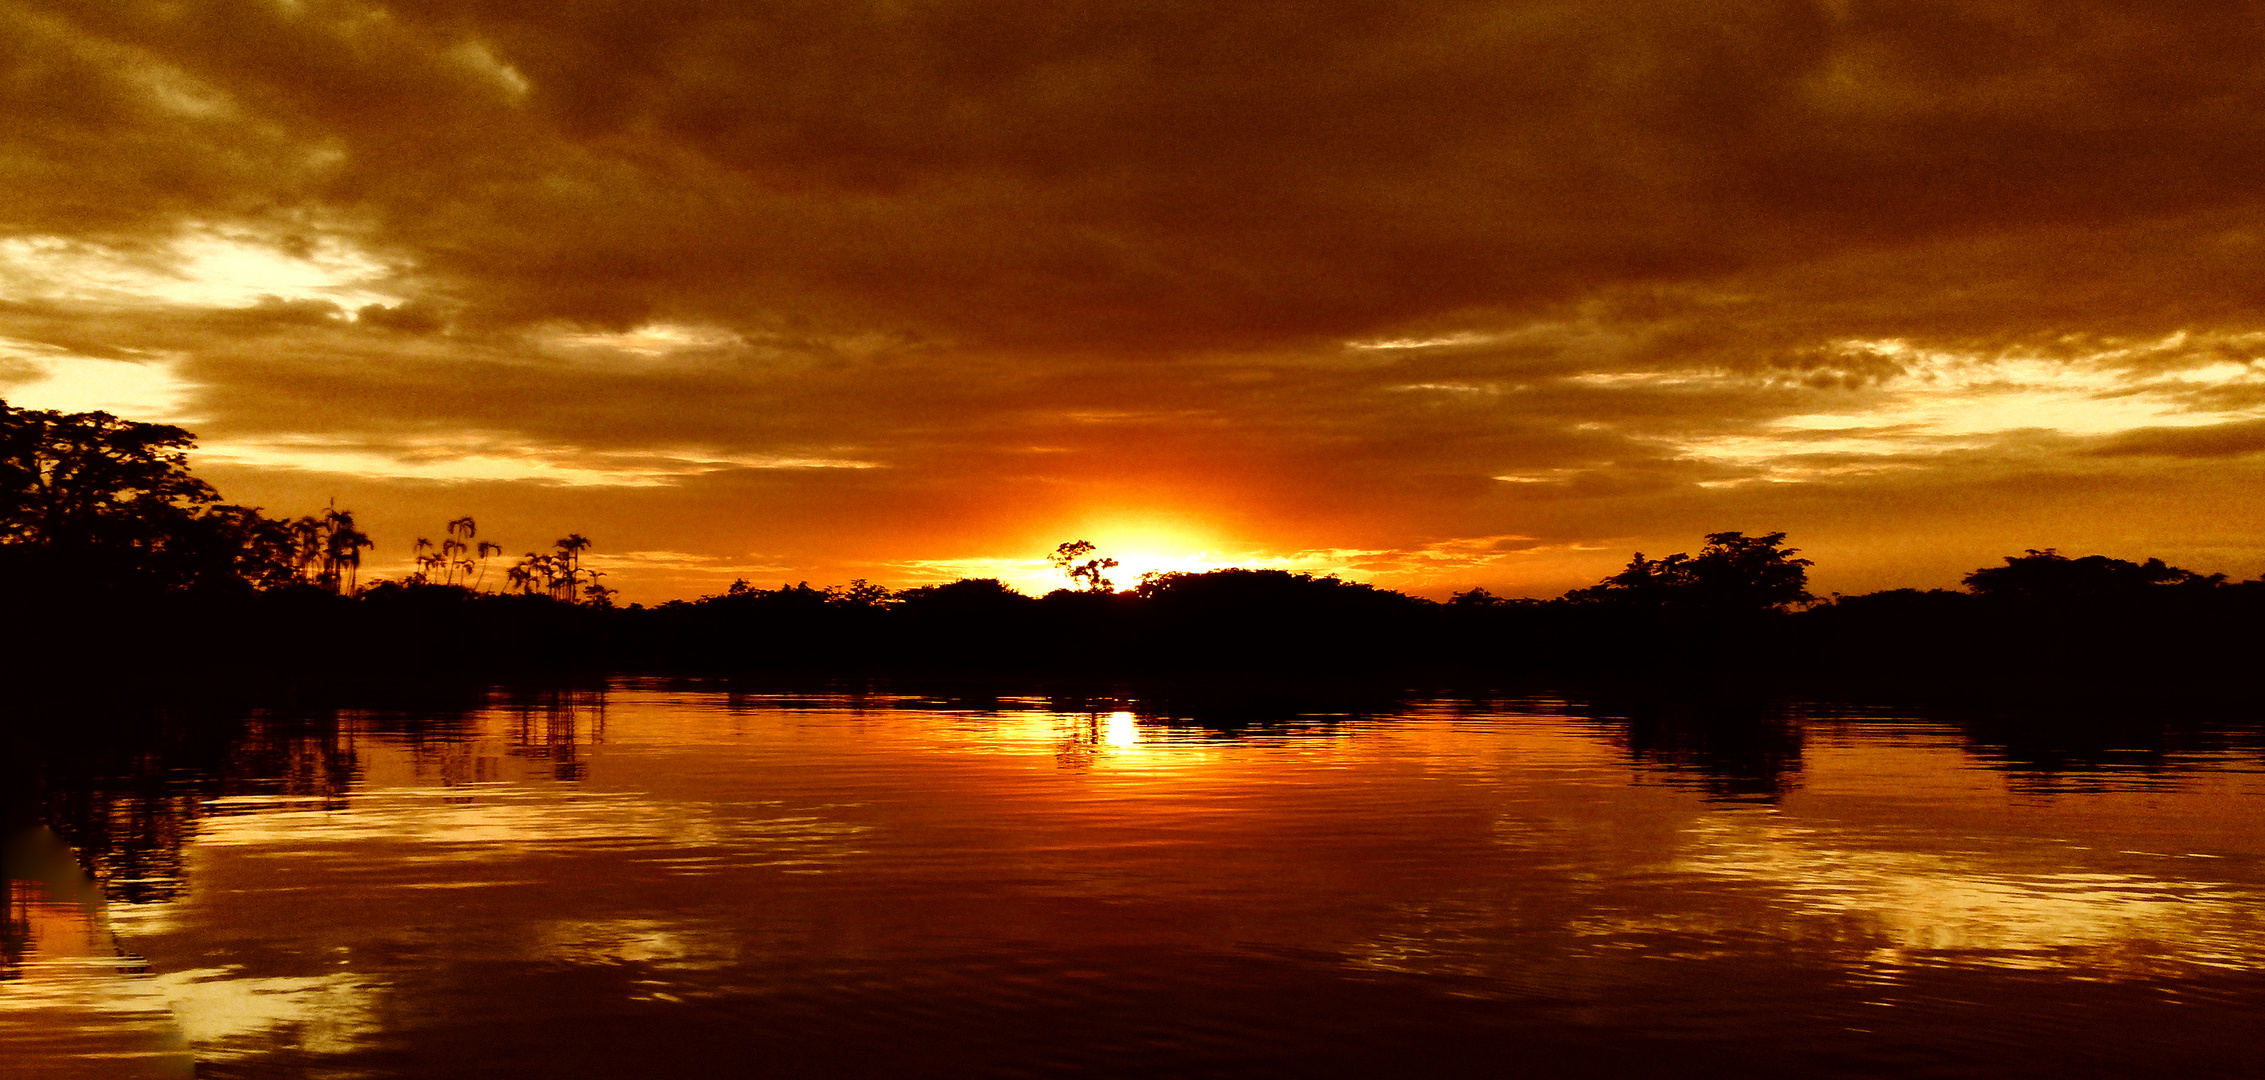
{"x":486,"y":551}
{"x":343,"y":545}
{"x":1077,"y":561}
{"x":523,"y":574}
{"x":569,"y":557}
{"x":560,"y":574}
{"x":95,"y":486}
{"x":1734,"y":572}
{"x":456,"y":551}
{"x":450,"y":561}
{"x":97,"y":499}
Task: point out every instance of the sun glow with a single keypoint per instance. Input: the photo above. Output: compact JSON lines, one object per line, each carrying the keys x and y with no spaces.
{"x":1120,"y":731}
{"x":206,"y":266}
{"x":152,"y":391}
{"x":1140,"y":548}
{"x":1145,"y":547}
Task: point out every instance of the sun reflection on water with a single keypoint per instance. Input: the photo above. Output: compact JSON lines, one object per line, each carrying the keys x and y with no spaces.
{"x":577,"y":855}
{"x":1120,"y":732}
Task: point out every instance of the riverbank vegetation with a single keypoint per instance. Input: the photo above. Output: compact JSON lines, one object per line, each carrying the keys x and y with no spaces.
{"x":115,"y":559}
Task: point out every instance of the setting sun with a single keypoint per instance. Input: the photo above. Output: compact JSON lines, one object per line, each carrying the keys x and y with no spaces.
{"x":853,"y":315}
{"x":1144,"y":546}
{"x":1105,"y":539}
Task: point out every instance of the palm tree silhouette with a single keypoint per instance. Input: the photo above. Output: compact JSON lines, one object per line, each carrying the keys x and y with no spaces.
{"x":486,"y":549}
{"x":570,"y":562}
{"x":521,"y":576}
{"x":310,"y":551}
{"x":453,"y":551}
{"x":343,"y":547}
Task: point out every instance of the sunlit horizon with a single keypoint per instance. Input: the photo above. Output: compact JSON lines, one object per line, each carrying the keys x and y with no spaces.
{"x":733,"y":311}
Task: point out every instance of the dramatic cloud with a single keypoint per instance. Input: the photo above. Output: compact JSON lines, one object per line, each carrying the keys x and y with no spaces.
{"x":1438,"y":293}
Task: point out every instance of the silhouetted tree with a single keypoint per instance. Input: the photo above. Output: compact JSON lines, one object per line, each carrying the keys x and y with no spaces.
{"x":450,"y":563}
{"x":1750,"y":573}
{"x":569,"y":558}
{"x":455,"y":552}
{"x":860,"y":593}
{"x":978,"y":594}
{"x":534,"y":573}
{"x":486,"y":551}
{"x":1076,"y":560}
{"x":2049,"y":576}
{"x":560,"y":574}
{"x":336,"y":546}
{"x":1734,"y":572}
{"x":93,"y":480}
{"x":263,"y":550}
{"x":99,"y":500}
{"x":90,"y":496}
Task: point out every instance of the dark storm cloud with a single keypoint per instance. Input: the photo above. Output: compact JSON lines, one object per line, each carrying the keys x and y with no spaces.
{"x":1408,"y":266}
{"x":1120,"y":176}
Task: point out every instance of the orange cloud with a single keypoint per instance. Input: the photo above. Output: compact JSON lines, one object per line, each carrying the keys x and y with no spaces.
{"x":851,"y":289}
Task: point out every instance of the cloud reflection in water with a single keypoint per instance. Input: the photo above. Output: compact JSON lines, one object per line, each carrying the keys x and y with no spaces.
{"x":1970,"y":908}
{"x":844,"y":876}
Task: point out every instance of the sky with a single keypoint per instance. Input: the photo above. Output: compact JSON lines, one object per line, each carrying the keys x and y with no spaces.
{"x":1433,"y":295}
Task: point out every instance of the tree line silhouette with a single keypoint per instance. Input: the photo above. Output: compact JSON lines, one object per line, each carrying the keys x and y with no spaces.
{"x":115,"y":558}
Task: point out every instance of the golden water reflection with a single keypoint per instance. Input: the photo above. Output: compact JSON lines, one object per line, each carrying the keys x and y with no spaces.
{"x":228,"y":1015}
{"x":72,"y":1002}
{"x":944,"y":868}
{"x":1912,"y":908}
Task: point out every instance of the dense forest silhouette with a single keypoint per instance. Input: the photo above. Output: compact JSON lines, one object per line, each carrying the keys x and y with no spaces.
{"x":115,"y":560}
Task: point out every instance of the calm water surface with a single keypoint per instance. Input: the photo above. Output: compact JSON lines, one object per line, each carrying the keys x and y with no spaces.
{"x":676,"y":883}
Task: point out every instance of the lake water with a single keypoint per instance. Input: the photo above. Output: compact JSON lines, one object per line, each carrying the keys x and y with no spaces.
{"x":660,"y":881}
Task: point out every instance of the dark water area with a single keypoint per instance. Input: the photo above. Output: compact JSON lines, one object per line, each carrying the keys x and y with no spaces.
{"x":666,"y":879}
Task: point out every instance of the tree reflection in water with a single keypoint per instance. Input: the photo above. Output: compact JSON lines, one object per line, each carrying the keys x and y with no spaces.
{"x":1734,"y":750}
{"x":914,"y":859}
{"x":128,"y":788}
{"x":552,"y":724}
{"x":15,"y":922}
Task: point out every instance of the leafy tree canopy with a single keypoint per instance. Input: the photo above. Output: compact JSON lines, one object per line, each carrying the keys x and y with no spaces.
{"x":2049,"y":576}
{"x":1076,"y":559}
{"x":976,"y":598}
{"x":88,"y":499}
{"x":1734,"y":572}
{"x":93,"y":480}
